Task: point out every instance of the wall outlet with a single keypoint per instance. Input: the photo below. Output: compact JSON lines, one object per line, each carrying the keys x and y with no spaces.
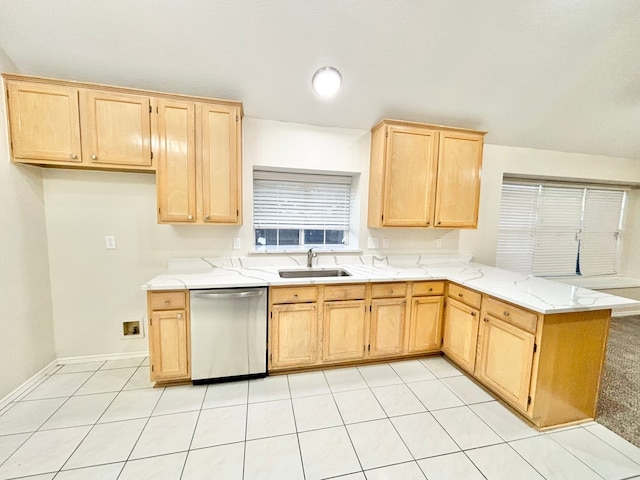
{"x":439,"y":243}
{"x":385,"y":243}
{"x":372,"y":242}
{"x":236,"y":243}
{"x":110,"y":242}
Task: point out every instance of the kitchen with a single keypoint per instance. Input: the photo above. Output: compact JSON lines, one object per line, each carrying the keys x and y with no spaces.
{"x":56,"y":222}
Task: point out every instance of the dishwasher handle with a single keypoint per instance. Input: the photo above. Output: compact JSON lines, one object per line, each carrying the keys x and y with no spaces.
{"x":215,"y":296}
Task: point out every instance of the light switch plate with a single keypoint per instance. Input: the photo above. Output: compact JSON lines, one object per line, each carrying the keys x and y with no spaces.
{"x":439,"y":243}
{"x":372,"y":242}
{"x":236,"y":243}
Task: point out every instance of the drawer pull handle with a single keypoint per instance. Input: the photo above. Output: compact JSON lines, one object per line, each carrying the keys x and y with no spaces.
{"x":505,"y":313}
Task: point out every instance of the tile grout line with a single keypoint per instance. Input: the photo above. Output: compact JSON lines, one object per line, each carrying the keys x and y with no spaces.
{"x":295,"y":427}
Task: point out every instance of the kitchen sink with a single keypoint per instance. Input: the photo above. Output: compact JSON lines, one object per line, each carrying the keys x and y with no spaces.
{"x":315,"y":272}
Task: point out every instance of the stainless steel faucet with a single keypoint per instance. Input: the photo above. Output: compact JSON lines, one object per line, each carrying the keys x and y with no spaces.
{"x":310,"y":255}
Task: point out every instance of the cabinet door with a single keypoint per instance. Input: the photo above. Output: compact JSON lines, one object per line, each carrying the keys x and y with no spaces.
{"x":116,"y":130}
{"x":458,"y":185}
{"x":176,"y":166}
{"x":460,"y":336}
{"x":44,"y":121}
{"x":409,"y":185}
{"x":387,"y":327}
{"x":505,"y":360}
{"x":425,"y":327}
{"x":169,"y":345}
{"x":293,"y":335}
{"x":343,"y":336}
{"x":221,"y":163}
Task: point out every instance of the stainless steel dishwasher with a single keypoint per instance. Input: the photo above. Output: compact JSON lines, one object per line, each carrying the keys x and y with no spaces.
{"x":228,"y":334}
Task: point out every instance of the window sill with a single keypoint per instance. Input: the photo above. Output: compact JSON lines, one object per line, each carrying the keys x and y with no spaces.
{"x":301,"y":251}
{"x":599,"y":283}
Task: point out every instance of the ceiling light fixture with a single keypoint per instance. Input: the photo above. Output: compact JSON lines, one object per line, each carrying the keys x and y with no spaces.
{"x":326,"y":81}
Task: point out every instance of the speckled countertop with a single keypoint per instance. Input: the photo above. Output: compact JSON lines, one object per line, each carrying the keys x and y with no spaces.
{"x":537,"y":294}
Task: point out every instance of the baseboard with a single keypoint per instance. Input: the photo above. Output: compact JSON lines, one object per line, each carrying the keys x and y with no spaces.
{"x":99,"y":358}
{"x":26,"y":386}
{"x":38,"y":377}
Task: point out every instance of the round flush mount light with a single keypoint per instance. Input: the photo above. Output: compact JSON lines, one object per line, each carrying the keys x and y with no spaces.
{"x":326,"y":81}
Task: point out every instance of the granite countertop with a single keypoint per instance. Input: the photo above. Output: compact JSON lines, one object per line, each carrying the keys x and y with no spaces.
{"x":537,"y":294}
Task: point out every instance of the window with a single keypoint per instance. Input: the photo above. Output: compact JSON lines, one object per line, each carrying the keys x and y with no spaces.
{"x":300,"y":209}
{"x":551,"y":229}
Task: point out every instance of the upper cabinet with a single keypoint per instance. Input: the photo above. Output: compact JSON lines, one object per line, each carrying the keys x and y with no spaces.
{"x":194,"y":144}
{"x":199,"y":162}
{"x":56,"y":123}
{"x":424,"y":176}
{"x":44,"y":122}
{"x":116,"y":129}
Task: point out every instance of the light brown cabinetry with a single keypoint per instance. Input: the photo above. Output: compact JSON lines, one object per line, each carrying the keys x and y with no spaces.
{"x":199,"y":162}
{"x":505,"y":351}
{"x":460,"y":335}
{"x":56,"y":123}
{"x":169,"y":336}
{"x":424,"y":176}
{"x":293,"y":327}
{"x":387,"y":323}
{"x":116,"y":129}
{"x":425,"y":324}
{"x":344,"y":327}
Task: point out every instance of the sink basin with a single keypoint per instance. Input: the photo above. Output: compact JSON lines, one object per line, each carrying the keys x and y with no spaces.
{"x":315,"y":272}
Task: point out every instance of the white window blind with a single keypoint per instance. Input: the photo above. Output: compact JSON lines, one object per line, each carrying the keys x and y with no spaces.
{"x":298,"y":200}
{"x":548,"y":229}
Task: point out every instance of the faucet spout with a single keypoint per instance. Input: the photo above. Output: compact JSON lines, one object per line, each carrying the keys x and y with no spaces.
{"x":310,"y":255}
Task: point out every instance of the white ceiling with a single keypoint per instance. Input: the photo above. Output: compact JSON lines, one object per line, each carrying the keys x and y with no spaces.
{"x":553,"y":74}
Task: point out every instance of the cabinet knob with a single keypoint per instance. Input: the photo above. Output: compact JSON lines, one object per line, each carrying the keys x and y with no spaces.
{"x":460,"y":295}
{"x":473,"y":314}
{"x":73,"y":156}
{"x":167,"y":302}
{"x":486,"y":319}
{"x":427,"y":223}
{"x":431,"y":289}
{"x":206,"y":217}
{"x":295,"y":295}
{"x":439,"y":223}
{"x":505,"y":313}
{"x":179,"y":315}
{"x":94,"y":157}
{"x":390,"y":292}
{"x":190,"y":217}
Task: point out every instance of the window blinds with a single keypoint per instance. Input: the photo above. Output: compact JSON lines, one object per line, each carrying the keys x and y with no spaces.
{"x":300,"y":200}
{"x":547,"y":229}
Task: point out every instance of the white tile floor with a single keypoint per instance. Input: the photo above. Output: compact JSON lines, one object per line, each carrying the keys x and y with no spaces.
{"x":412,"y":420}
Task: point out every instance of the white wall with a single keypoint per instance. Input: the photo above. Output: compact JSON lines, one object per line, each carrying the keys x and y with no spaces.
{"x":95,"y":289}
{"x":26,"y":343}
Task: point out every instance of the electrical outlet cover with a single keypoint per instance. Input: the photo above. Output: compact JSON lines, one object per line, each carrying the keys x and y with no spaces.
{"x":372,"y":242}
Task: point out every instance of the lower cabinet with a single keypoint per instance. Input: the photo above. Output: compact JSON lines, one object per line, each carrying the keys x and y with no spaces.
{"x":343,"y":333}
{"x":505,"y":360}
{"x":425,"y":323}
{"x":460,"y":335}
{"x":169,"y":336}
{"x":293,"y":335}
{"x":386,"y":337}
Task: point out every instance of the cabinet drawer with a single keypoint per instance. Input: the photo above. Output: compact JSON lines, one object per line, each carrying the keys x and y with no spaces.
{"x":427,"y":288}
{"x":167,"y":300}
{"x":465,"y":295}
{"x":386,"y":290}
{"x":345,"y":292}
{"x":514,"y":315}
{"x":294,"y":295}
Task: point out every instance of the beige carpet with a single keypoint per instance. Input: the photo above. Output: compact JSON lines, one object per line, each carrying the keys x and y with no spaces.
{"x":619,"y":402}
